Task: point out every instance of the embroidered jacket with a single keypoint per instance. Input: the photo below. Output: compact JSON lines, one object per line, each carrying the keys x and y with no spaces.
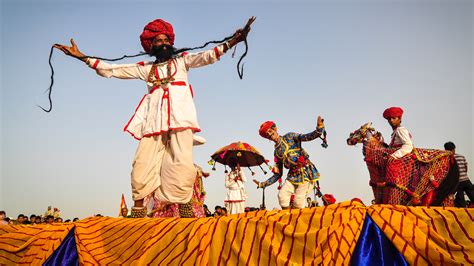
{"x":289,"y":154}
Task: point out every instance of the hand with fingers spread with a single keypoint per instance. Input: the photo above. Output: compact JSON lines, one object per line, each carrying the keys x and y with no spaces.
{"x":72,"y":50}
{"x":241,"y":34}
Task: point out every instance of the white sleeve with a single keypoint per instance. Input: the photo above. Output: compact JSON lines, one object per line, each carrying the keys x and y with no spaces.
{"x":204,"y":58}
{"x":121,"y":71}
{"x":407,"y":145}
{"x":229,"y":180}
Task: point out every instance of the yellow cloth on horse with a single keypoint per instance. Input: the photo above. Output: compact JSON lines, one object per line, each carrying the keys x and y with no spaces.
{"x":435,"y":236}
{"x":31,"y":245}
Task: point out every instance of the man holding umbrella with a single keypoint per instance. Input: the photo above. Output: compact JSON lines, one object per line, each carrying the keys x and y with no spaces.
{"x":236,"y":195}
{"x":288,"y":152}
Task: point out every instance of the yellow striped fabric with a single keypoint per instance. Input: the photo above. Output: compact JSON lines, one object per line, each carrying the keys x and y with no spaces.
{"x":436,"y":235}
{"x":323,"y":235}
{"x":317,"y":235}
{"x":30,"y":245}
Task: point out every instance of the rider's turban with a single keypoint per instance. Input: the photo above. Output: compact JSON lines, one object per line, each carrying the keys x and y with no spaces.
{"x":392,"y":112}
{"x":153,"y":29}
{"x":265,"y":127}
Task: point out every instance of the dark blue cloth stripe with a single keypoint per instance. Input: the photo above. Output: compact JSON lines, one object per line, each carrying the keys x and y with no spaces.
{"x":374,"y":248}
{"x":66,"y":254}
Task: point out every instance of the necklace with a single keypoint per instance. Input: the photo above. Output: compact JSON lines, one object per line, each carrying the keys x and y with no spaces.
{"x":163,"y":81}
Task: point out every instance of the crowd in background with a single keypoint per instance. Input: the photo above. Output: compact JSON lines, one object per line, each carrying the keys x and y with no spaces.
{"x":33,"y":219}
{"x":54,"y":217}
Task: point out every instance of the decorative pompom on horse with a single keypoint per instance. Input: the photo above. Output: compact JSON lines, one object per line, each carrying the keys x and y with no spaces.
{"x":424,"y":177}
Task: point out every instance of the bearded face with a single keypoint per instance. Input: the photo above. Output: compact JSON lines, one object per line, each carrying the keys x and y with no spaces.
{"x":163,"y":52}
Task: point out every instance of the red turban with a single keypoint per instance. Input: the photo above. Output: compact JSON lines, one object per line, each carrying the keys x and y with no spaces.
{"x":358,"y":200}
{"x":264,"y":127}
{"x":392,"y":112}
{"x":153,"y":29}
{"x":328,"y":199}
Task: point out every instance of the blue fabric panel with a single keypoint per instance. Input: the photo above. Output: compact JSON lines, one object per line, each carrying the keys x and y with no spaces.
{"x":374,"y":248}
{"x":66,"y":254}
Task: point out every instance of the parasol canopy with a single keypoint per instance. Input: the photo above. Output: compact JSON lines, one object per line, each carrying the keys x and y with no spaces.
{"x":238,"y":153}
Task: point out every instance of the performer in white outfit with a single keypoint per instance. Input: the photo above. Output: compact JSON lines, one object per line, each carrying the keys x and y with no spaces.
{"x":165,"y":119}
{"x":236,"y":194}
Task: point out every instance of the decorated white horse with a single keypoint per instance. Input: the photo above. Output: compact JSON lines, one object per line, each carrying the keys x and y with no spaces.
{"x":425,"y":177}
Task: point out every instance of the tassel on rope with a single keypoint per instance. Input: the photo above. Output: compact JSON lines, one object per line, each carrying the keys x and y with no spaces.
{"x":253,"y":173}
{"x":264,"y":172}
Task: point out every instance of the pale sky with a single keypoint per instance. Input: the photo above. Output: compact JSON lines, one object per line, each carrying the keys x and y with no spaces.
{"x":344,"y":60}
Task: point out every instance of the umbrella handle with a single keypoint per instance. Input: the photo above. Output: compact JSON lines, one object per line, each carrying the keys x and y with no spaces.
{"x":262,"y":206}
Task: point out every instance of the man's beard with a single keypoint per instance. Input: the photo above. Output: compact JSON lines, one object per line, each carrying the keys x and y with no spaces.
{"x":162,"y":52}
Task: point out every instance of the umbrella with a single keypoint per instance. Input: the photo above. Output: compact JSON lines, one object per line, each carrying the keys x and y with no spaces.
{"x":238,"y":153}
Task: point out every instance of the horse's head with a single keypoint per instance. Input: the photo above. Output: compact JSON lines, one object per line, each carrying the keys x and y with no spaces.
{"x":363,"y":134}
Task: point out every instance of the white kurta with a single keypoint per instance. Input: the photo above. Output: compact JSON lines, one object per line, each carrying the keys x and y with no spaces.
{"x":163,"y":164}
{"x":236,"y":195}
{"x":167,"y":107}
{"x":401,"y":138}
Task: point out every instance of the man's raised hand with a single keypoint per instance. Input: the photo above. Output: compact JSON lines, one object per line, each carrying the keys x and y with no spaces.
{"x":72,"y":50}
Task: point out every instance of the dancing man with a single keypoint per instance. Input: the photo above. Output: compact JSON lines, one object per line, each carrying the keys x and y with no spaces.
{"x":288,"y":152}
{"x":165,"y":120}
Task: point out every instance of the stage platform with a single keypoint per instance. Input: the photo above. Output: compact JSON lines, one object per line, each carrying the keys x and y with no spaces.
{"x":340,"y":234}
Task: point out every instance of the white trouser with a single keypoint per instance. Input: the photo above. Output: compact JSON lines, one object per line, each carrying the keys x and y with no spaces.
{"x":164,"y":165}
{"x":300,"y":191}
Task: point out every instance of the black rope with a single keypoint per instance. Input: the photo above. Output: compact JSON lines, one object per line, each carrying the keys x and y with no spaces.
{"x":114,"y":59}
{"x":240,"y":70}
{"x":50,"y":89}
{"x":203,"y":46}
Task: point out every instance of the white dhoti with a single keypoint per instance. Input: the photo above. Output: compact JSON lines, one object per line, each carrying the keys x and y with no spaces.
{"x":164,"y":165}
{"x":235,"y":200}
{"x":235,"y":207}
{"x":300,"y":191}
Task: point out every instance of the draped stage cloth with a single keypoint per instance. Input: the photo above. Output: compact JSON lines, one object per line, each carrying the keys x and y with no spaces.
{"x":346,"y":233}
